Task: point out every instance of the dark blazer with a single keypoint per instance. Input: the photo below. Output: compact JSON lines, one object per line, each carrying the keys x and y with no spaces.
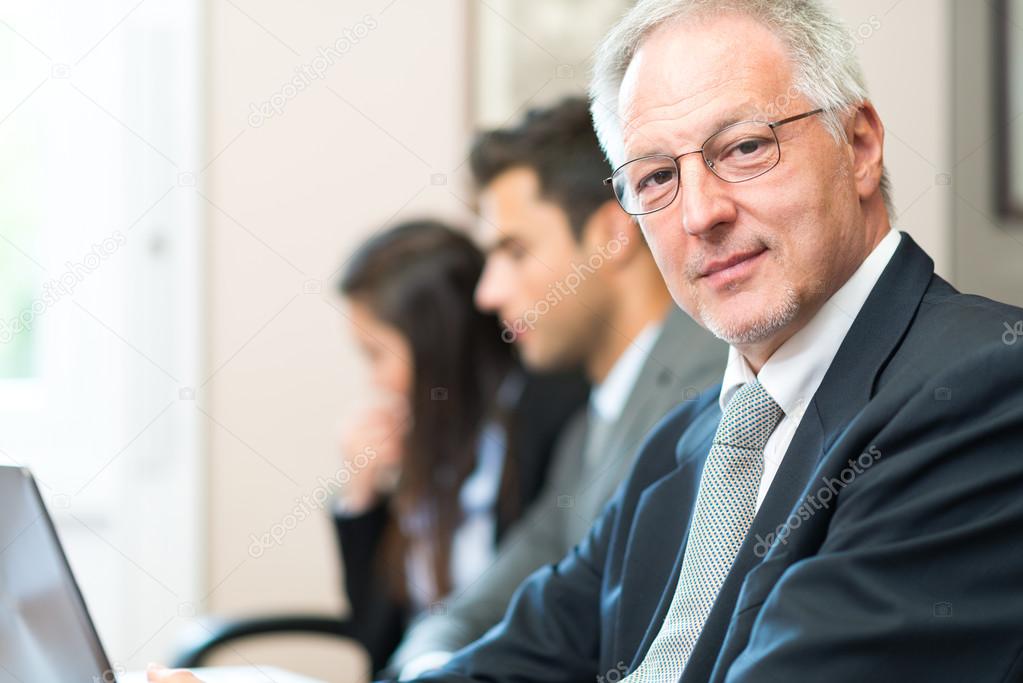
{"x":900,"y":505}
{"x":533,"y":410}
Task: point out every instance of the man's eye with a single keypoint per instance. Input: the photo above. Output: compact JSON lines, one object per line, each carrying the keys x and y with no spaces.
{"x":748,"y":146}
{"x":657,"y":178}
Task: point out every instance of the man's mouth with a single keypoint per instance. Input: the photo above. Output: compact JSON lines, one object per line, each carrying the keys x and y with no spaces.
{"x":724,"y":271}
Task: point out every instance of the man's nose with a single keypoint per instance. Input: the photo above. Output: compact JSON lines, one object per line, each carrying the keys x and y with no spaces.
{"x":488,"y":290}
{"x":705,"y":202}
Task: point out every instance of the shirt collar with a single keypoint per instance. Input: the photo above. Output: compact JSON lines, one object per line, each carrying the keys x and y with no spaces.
{"x":608,"y":398}
{"x":794,"y":372}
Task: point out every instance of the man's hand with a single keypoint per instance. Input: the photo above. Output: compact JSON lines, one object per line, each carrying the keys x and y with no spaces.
{"x":161,"y":674}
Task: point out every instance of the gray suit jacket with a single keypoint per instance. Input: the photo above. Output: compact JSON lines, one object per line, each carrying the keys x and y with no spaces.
{"x":683,"y":362}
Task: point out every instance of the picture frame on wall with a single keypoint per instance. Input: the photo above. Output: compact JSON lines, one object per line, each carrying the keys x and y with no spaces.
{"x":1008,"y":89}
{"x":522,"y":57}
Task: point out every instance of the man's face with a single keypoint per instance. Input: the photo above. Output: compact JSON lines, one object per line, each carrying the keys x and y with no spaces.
{"x":748,"y":260}
{"x":537,"y":277}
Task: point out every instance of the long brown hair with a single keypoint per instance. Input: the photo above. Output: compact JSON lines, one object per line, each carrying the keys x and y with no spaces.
{"x":419,"y":277}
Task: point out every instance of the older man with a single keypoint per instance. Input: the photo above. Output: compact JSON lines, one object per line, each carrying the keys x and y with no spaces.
{"x":848,"y":508}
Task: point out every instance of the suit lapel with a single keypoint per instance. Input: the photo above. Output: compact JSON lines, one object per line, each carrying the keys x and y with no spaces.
{"x":664,"y":380}
{"x":612,"y":458}
{"x":661,"y":523}
{"x":659,"y":381}
{"x":874,"y":337}
{"x":651,"y":390}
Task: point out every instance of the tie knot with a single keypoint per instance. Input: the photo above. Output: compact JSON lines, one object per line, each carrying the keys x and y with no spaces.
{"x":750,"y":417}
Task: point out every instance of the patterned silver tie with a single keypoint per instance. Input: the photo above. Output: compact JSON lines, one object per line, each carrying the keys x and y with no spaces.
{"x":725,"y":506}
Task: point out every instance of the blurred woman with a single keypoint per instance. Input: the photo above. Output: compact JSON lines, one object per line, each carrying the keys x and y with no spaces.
{"x":449,"y":456}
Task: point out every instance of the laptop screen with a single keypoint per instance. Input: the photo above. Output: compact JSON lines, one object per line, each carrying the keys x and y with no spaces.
{"x":45,"y":631}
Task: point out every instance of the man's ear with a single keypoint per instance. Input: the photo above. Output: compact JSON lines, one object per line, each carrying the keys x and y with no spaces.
{"x":866,"y":143}
{"x":611,"y":231}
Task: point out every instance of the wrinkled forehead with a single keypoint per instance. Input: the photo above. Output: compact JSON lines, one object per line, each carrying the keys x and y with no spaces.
{"x":692,"y":77}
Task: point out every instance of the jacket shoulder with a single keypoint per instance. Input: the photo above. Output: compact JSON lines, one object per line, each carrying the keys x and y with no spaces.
{"x":657,"y":455}
{"x":952,"y":330}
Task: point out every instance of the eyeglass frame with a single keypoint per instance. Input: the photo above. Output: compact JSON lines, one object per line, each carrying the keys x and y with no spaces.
{"x":678,"y":168}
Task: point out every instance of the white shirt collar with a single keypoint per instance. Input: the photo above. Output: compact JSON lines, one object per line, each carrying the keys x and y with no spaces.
{"x":608,"y":398}
{"x":794,"y":372}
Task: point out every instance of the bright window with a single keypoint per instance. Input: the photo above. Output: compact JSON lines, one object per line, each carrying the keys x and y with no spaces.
{"x":99,"y":280}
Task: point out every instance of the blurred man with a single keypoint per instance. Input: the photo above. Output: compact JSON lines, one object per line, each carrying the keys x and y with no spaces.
{"x":571,"y":278}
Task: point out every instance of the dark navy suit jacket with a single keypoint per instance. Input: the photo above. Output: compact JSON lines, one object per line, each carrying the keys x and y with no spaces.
{"x":889,"y":546}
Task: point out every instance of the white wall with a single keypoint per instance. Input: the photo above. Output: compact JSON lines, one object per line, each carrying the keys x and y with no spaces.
{"x":906,"y":52}
{"x":100,"y":125}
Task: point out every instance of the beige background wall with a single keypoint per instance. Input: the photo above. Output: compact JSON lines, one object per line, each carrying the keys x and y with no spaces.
{"x":289,"y":199}
{"x":905,"y":49}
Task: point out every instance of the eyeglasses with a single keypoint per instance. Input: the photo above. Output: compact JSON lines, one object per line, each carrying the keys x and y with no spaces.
{"x":736,"y":153}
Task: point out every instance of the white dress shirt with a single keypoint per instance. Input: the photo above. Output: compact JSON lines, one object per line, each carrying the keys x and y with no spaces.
{"x":608,"y":399}
{"x":794,"y":372}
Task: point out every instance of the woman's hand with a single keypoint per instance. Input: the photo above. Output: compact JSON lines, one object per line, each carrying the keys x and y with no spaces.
{"x":161,"y":674}
{"x":373,"y":449}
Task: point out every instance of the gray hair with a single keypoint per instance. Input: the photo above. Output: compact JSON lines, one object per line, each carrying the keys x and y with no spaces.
{"x":826,"y":70}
